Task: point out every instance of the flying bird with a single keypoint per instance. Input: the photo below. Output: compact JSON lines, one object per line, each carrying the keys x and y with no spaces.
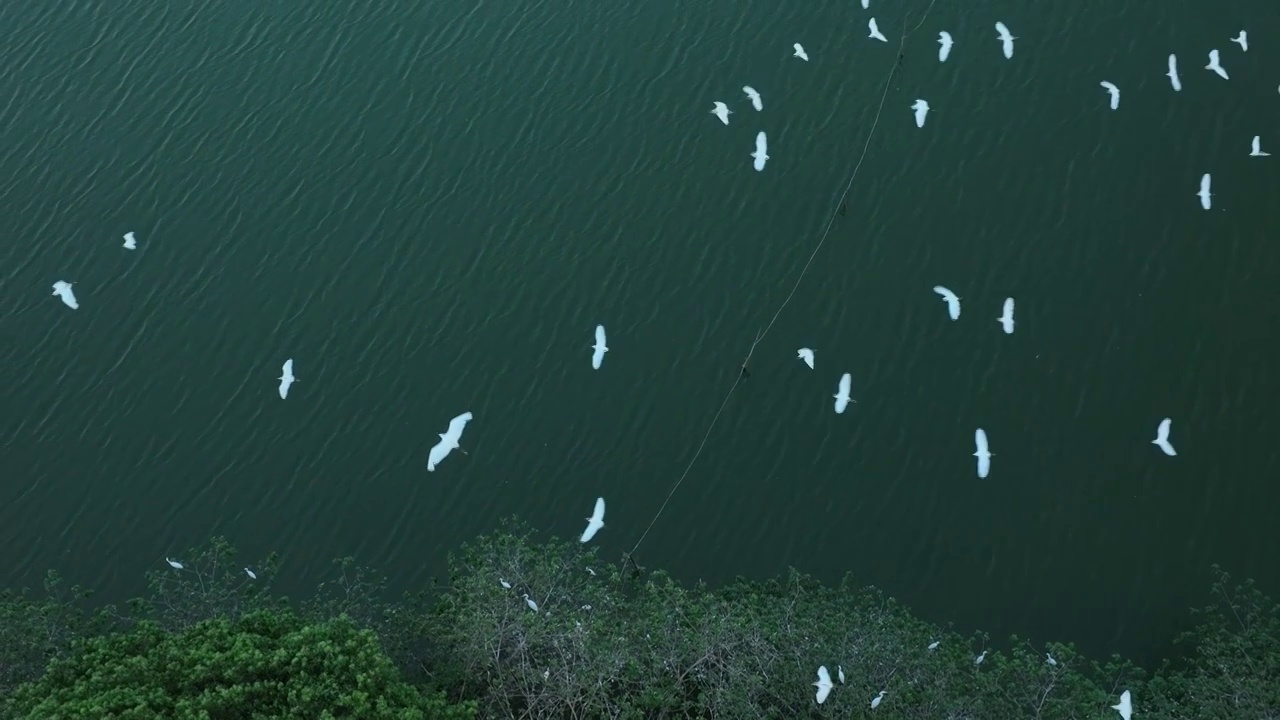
{"x":823,"y":685}
{"x":448,"y":441}
{"x":800,"y":53}
{"x":952,"y":300}
{"x":1173,"y":73}
{"x":1125,"y":706}
{"x":875,"y":701}
{"x":1242,"y":40}
{"x":597,"y":357}
{"x":1162,"y":438}
{"x":984,"y":467}
{"x":1006,"y":40}
{"x":756,"y":102}
{"x":866,"y":4}
{"x":922,"y":108}
{"x":1257,"y":148}
{"x":842,"y":393}
{"x":63,"y":290}
{"x":130,"y":242}
{"x":250,"y":573}
{"x":875,"y":31}
{"x":595,"y":522}
{"x":530,"y":602}
{"x":1006,"y":318}
{"x":721,"y":111}
{"x":1215,"y":65}
{"x":806,"y":354}
{"x":945,"y":42}
{"x":1114,"y":92}
{"x":286,"y":378}
{"x":173,"y":563}
{"x":1204,"y":192}
{"x":761,"y":153}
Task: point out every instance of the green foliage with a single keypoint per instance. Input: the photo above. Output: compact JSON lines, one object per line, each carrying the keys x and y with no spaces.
{"x":1232,"y":667}
{"x":608,"y":641}
{"x":266,"y":664}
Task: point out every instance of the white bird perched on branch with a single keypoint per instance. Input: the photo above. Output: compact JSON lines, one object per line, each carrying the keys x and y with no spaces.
{"x":595,"y":522}
{"x":174,"y":563}
{"x":875,"y":701}
{"x":530,"y":602}
{"x":448,"y":441}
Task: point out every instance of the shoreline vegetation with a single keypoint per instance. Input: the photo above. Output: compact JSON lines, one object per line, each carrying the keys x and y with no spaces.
{"x":607,"y":641}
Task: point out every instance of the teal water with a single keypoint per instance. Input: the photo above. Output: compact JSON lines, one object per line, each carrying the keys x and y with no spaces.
{"x":430,"y":205}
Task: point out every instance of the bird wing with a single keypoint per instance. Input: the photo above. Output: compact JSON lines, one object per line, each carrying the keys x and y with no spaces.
{"x":1008,"y":308}
{"x":597,"y":358}
{"x":1162,"y":432}
{"x":984,"y":466}
{"x":597,"y":515}
{"x":945,"y":293}
{"x":438,"y":452}
{"x":600,"y":335}
{"x":762,"y":143}
{"x":1204,"y":183}
{"x":846,"y":382}
{"x":980,"y":439}
{"x":456,"y":426}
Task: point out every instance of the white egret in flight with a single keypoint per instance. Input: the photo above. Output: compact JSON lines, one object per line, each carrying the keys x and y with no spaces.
{"x":63,"y":290}
{"x":945,"y":42}
{"x":984,"y":462}
{"x":1162,"y":438}
{"x":1256,"y":148}
{"x":721,"y":111}
{"x":952,"y":300}
{"x":1173,"y":73}
{"x":842,"y":393}
{"x":823,"y":684}
{"x":756,"y":102}
{"x":286,"y":378}
{"x":448,"y":440}
{"x":1216,"y":65}
{"x":1204,"y":193}
{"x":1125,"y":706}
{"x":875,"y":31}
{"x":1006,"y":40}
{"x":761,"y":153}
{"x":806,"y":354}
{"x":800,"y":53}
{"x":600,"y":348}
{"x":1113,"y":91}
{"x":1242,"y":40}
{"x":1006,"y":318}
{"x":595,"y":522}
{"x":922,"y":108}
{"x":130,"y":242}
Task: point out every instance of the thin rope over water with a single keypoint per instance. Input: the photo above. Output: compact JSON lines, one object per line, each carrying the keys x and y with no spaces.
{"x":826,"y":231}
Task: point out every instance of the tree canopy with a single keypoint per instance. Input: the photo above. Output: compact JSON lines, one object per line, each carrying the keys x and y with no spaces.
{"x":608,"y":641}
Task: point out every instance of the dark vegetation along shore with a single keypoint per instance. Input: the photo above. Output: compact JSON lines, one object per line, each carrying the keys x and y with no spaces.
{"x":210,"y":643}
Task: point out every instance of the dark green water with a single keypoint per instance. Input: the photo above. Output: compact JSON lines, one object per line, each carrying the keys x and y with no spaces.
{"x":430,"y":205}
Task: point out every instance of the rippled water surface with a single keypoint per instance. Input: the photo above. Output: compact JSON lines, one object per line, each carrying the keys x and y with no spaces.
{"x":430,"y":205}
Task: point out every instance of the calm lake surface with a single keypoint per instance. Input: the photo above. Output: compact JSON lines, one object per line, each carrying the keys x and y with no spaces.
{"x":429,"y":206}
